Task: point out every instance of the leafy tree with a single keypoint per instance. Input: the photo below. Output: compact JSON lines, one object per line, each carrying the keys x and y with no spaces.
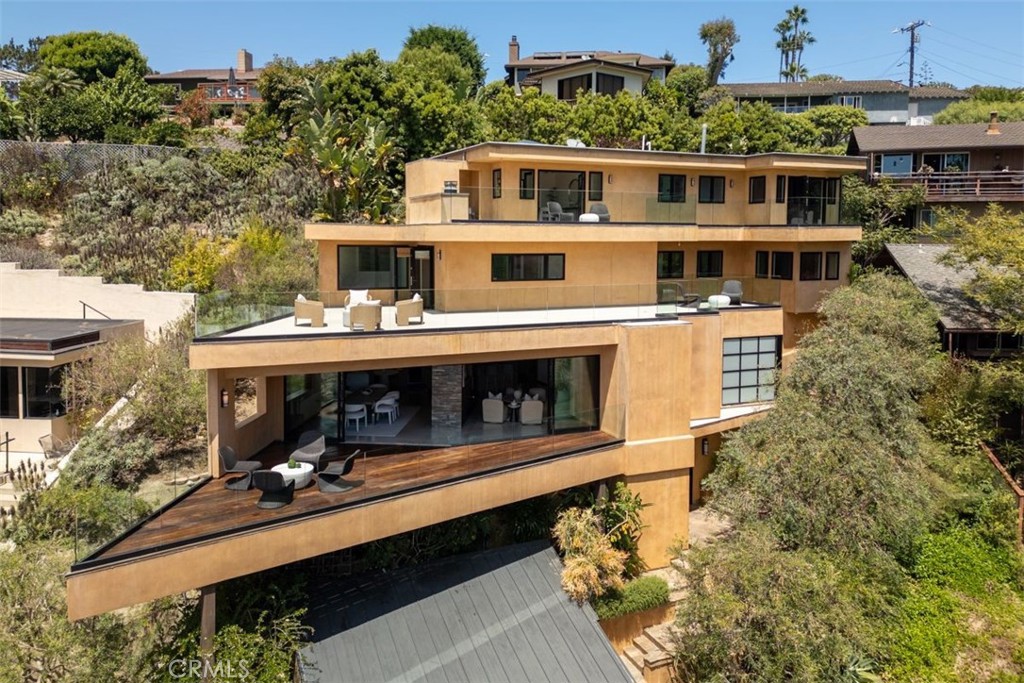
{"x":17,"y":57}
{"x":992,"y":246}
{"x":262,"y":259}
{"x":883,"y":209}
{"x":48,"y":81}
{"x":195,"y":110}
{"x":356,"y":87}
{"x":720,"y":37}
{"x":127,"y":99}
{"x":831,"y":78}
{"x":979,"y":111}
{"x":76,"y":116}
{"x":282,"y":84}
{"x":530,"y":116}
{"x":687,"y":82}
{"x":454,"y":40}
{"x":835,"y":123}
{"x":92,"y":54}
{"x":10,"y":117}
{"x":993,"y":93}
{"x":163,"y":133}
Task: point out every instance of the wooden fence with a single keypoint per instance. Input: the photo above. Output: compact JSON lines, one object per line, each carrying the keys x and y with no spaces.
{"x":1015,"y":487}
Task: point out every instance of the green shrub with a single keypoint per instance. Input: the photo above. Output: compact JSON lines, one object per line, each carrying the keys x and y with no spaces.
{"x":28,"y":257}
{"x":93,"y":514}
{"x":924,"y":640}
{"x":637,"y":595}
{"x":106,"y":457}
{"x":960,"y":559}
{"x":18,"y":224}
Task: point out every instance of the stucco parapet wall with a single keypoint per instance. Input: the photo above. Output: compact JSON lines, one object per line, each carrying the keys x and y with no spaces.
{"x":399,"y":350}
{"x":478,"y":231}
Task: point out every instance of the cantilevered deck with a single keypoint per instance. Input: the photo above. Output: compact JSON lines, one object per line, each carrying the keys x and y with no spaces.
{"x":211,"y":510}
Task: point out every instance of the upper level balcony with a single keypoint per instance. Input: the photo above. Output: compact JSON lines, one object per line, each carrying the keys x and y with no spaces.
{"x":224,"y":316}
{"x":964,"y":186}
{"x":231,"y":93}
{"x":816,"y":204}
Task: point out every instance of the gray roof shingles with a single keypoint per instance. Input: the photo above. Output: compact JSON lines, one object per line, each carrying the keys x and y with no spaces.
{"x":804,"y":88}
{"x":942,"y":285}
{"x":497,"y":615}
{"x":958,"y":137}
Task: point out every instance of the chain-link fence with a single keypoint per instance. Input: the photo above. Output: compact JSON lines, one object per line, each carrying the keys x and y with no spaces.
{"x":76,"y":159}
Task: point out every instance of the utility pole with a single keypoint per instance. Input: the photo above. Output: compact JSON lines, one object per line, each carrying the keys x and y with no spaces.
{"x":911,"y":28}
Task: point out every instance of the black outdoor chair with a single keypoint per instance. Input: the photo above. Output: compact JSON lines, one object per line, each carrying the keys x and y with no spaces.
{"x":734,"y":290}
{"x":276,"y":494}
{"x":310,"y":448}
{"x":331,"y":481}
{"x":229,"y":463}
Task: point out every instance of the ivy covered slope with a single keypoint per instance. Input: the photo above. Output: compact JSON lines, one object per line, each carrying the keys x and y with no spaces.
{"x":874,"y":541}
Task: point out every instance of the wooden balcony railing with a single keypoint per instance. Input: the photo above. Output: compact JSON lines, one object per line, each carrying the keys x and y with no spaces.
{"x":965,"y":186}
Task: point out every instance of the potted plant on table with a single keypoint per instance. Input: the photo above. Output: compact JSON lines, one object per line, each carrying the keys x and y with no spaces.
{"x":292,"y":464}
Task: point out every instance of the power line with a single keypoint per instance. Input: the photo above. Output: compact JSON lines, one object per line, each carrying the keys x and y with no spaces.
{"x":865,"y":59}
{"x":911,"y":28}
{"x":968,"y":66}
{"x":979,"y":54}
{"x":894,"y":64}
{"x":976,"y":42}
{"x":973,"y":78}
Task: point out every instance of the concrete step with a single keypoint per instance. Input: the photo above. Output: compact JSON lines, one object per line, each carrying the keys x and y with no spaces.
{"x":679,"y":564}
{"x":661,"y":635}
{"x":645,"y":644}
{"x":634,"y":656}
{"x":637,"y":674}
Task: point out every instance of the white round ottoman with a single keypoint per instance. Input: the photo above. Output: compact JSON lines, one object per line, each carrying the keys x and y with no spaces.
{"x":718,"y":301}
{"x":589,"y":218}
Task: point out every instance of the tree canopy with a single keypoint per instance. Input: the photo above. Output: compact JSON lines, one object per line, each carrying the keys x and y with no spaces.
{"x":720,"y":37}
{"x":92,"y":54}
{"x":453,"y":40}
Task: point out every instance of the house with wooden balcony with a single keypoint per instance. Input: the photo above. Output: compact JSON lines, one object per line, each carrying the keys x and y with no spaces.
{"x":964,"y":165}
{"x":235,"y":85}
{"x":548,"y":317}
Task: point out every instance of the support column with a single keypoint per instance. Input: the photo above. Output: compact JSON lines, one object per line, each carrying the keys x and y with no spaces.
{"x":207,"y":629}
{"x":446,"y":398}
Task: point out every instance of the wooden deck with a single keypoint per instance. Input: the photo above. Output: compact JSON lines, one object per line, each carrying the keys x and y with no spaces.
{"x":211,"y":510}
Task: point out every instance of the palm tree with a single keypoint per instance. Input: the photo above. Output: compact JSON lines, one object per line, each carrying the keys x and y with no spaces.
{"x":792,"y":40}
{"x":54,"y":81}
{"x":794,"y":73}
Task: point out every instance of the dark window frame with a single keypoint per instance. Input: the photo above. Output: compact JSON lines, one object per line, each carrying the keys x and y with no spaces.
{"x":780,"y":269}
{"x":673,"y":193}
{"x":831,"y":191}
{"x":618,"y":84}
{"x":832,"y":260}
{"x":711,"y":189}
{"x":811,"y":266}
{"x":598,"y":194}
{"x":546,"y":267}
{"x":52,"y":398}
{"x":496,"y":183}
{"x":669,"y":274}
{"x":527,"y":183}
{"x":703,"y":264}
{"x":765,"y":390}
{"x":757,"y":189}
{"x":780,"y":189}
{"x":10,"y":389}
{"x":762,"y":264}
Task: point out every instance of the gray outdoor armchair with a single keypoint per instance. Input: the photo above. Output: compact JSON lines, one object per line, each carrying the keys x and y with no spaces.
{"x":310,"y":448}
{"x":331,"y":479}
{"x":230,"y":464}
{"x":601,"y":211}
{"x":734,"y":290}
{"x":276,"y":493}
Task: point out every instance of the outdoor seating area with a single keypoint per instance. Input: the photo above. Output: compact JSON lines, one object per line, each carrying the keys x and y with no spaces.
{"x":513,"y":405}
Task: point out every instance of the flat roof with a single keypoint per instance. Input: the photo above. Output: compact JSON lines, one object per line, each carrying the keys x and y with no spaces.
{"x":52,"y":334}
{"x":494,"y":615}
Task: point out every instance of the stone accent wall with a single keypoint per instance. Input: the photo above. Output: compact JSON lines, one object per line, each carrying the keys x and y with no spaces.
{"x":446,"y":401}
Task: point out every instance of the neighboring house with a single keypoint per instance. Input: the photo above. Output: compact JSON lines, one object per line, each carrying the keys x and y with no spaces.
{"x":885,"y":102}
{"x":33,"y":355}
{"x":548,"y":317}
{"x":235,"y":85}
{"x":563,"y":74}
{"x":964,"y":165}
{"x":501,"y":615}
{"x":966,"y":328}
{"x":10,"y":81}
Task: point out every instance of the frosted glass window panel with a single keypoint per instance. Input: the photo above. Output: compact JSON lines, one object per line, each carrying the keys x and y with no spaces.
{"x":730,"y":380}
{"x":730,"y":363}
{"x":732,"y":346}
{"x":766,"y":360}
{"x":730,"y":396}
{"x":748,"y":395}
{"x":768,"y":343}
{"x":748,"y":345}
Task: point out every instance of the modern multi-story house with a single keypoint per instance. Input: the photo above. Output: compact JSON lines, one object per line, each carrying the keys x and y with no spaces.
{"x":234,"y":85}
{"x":564,"y":74}
{"x":547,"y":317}
{"x":964,"y":165}
{"x":885,"y":102}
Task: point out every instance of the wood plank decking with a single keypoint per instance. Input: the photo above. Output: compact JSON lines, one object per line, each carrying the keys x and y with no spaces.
{"x":213,"y":510}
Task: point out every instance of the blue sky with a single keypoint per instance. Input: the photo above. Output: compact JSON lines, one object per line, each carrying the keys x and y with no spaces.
{"x":967,"y":42}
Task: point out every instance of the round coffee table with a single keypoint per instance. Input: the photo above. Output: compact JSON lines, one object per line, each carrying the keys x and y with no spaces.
{"x":302,"y":474}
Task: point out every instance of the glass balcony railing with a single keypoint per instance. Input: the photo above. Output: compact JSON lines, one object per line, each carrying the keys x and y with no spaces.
{"x":223,"y":314}
{"x":727,"y":205}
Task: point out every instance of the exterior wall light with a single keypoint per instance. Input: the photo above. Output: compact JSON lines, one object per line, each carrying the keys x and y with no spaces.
{"x":224,"y":398}
{"x":451,"y":186}
{"x":730,"y":182}
{"x":704,"y":446}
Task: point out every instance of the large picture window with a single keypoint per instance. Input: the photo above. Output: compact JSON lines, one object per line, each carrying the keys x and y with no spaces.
{"x":748,"y":369}
{"x":670,"y":264}
{"x":709,"y":263}
{"x":568,"y":87}
{"x":607,"y":84}
{"x":366,"y":267}
{"x":671,"y":188}
{"x":520,"y":267}
{"x":43,"y":392}
{"x":712,"y":189}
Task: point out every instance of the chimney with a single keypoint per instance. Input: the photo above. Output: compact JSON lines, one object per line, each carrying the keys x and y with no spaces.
{"x":244,"y":61}
{"x":513,"y":50}
{"x":993,"y":123}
